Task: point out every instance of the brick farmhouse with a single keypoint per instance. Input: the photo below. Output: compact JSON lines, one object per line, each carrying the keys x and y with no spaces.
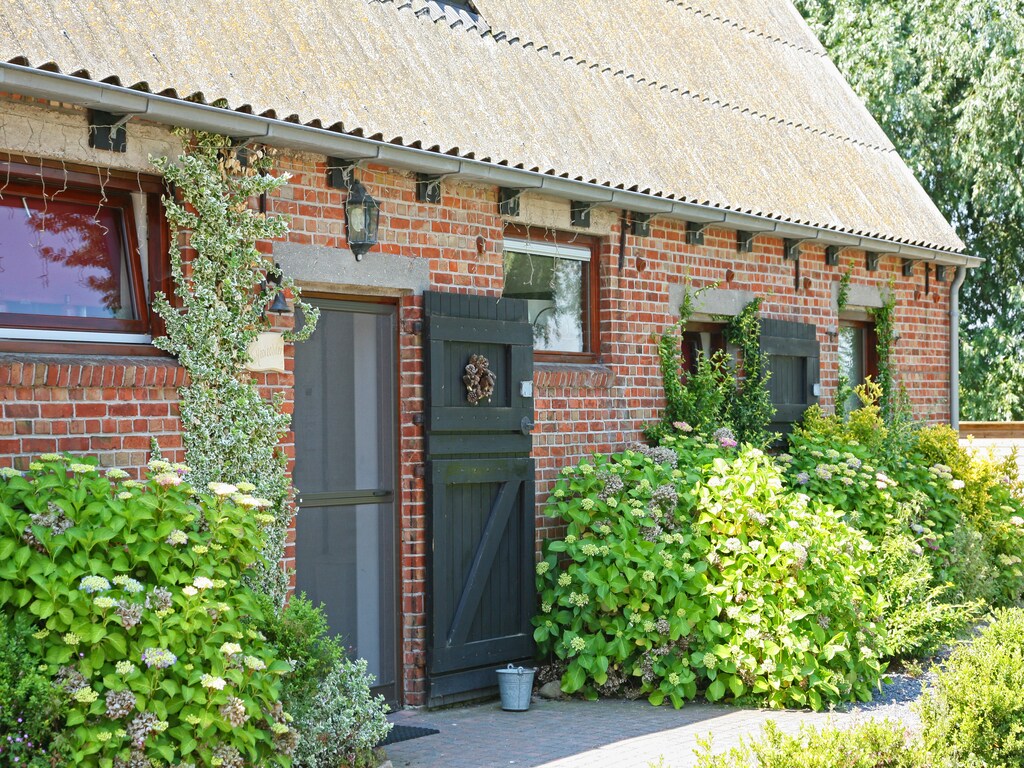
{"x":551,"y":177}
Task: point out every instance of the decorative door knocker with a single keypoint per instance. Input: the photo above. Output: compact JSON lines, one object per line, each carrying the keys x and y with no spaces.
{"x":479,"y":380}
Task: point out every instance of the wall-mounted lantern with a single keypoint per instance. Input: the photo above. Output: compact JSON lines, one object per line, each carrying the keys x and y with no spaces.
{"x":362,"y":216}
{"x":362,"y":211}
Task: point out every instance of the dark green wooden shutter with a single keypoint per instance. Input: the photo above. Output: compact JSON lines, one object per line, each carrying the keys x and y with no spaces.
{"x":794,"y":357}
{"x":480,"y":481}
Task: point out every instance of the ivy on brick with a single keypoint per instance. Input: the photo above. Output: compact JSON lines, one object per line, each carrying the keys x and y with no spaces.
{"x":231,"y":433}
{"x":715,"y":396}
{"x":885,"y":329}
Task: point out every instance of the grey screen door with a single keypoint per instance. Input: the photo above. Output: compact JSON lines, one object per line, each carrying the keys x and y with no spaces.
{"x":344,"y":422}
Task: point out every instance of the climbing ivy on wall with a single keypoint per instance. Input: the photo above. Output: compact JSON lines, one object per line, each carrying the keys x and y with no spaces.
{"x":231,"y":432}
{"x":751,"y":409}
{"x":885,"y":329}
{"x":713,"y":397}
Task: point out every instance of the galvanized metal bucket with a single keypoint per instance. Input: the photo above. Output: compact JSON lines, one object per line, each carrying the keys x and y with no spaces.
{"x":515,"y":685}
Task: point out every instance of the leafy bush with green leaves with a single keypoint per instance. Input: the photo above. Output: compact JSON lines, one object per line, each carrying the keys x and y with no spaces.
{"x":920,"y":616}
{"x":338,"y":719}
{"x":961,"y":508}
{"x":929,"y":570}
{"x":870,"y":744}
{"x":141,"y":613}
{"x":974,"y":716}
{"x":300,"y":633}
{"x":691,"y":566}
{"x":988,"y":492}
{"x":853,"y":464}
{"x":31,"y":712}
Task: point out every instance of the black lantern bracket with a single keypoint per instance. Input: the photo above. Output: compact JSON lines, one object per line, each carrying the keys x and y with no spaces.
{"x":362,"y":211}
{"x":340,"y":173}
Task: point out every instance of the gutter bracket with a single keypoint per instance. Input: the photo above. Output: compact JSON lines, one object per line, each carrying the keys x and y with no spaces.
{"x":833,"y":252}
{"x":791,"y":248}
{"x":745,"y":239}
{"x":508,"y":201}
{"x":107,"y":130}
{"x":695,"y":234}
{"x":872,"y":259}
{"x":339,"y":173}
{"x":428,"y":187}
{"x":640,"y":224}
{"x":579,"y":213}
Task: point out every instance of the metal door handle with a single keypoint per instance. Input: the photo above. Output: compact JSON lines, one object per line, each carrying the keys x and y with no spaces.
{"x":526,"y":425}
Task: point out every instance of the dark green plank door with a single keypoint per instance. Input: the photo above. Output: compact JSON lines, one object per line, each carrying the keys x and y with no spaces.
{"x":481,"y":494}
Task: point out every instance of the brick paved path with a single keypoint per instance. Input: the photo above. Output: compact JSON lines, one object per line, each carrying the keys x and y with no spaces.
{"x":580,"y":734}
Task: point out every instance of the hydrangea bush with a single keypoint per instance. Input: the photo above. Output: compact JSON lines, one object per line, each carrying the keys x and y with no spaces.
{"x":692,"y":567}
{"x":919,"y":495}
{"x":142,"y":617}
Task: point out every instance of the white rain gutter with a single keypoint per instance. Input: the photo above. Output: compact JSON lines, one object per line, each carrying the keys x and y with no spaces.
{"x":53,"y":86}
{"x":954,"y":348}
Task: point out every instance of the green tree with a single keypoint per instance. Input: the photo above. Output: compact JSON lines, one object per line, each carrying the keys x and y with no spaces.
{"x":944,"y":79}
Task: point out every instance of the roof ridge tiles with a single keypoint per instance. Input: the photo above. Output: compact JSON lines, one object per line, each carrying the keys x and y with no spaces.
{"x":743,"y":28}
{"x":504,"y":36}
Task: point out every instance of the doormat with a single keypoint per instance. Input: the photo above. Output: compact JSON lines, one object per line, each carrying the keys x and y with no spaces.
{"x":406,"y":733}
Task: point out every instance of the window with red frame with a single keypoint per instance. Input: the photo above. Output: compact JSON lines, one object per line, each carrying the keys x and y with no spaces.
{"x":858,"y":356}
{"x":558,"y":281}
{"x":71,"y":267}
{"x":701,"y":339}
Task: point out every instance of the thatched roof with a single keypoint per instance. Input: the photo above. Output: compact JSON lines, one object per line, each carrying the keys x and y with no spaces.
{"x":732,"y":103}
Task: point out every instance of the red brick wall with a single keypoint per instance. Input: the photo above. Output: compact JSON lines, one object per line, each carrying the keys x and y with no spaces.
{"x":104,"y":407}
{"x":112,"y":407}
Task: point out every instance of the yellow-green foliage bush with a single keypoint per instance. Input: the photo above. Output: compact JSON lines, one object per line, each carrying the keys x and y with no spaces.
{"x":974,"y":716}
{"x":871,"y":744}
{"x":987,"y":491}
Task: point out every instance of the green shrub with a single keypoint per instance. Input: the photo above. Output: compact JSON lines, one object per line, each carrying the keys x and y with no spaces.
{"x":870,"y":744}
{"x":987,"y":490}
{"x":338,"y":719}
{"x":141,"y":614}
{"x":974,"y":716}
{"x":920,"y":616}
{"x":691,"y":566}
{"x":934,"y":566}
{"x":300,"y":634}
{"x":31,"y":712}
{"x":343,"y":722}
